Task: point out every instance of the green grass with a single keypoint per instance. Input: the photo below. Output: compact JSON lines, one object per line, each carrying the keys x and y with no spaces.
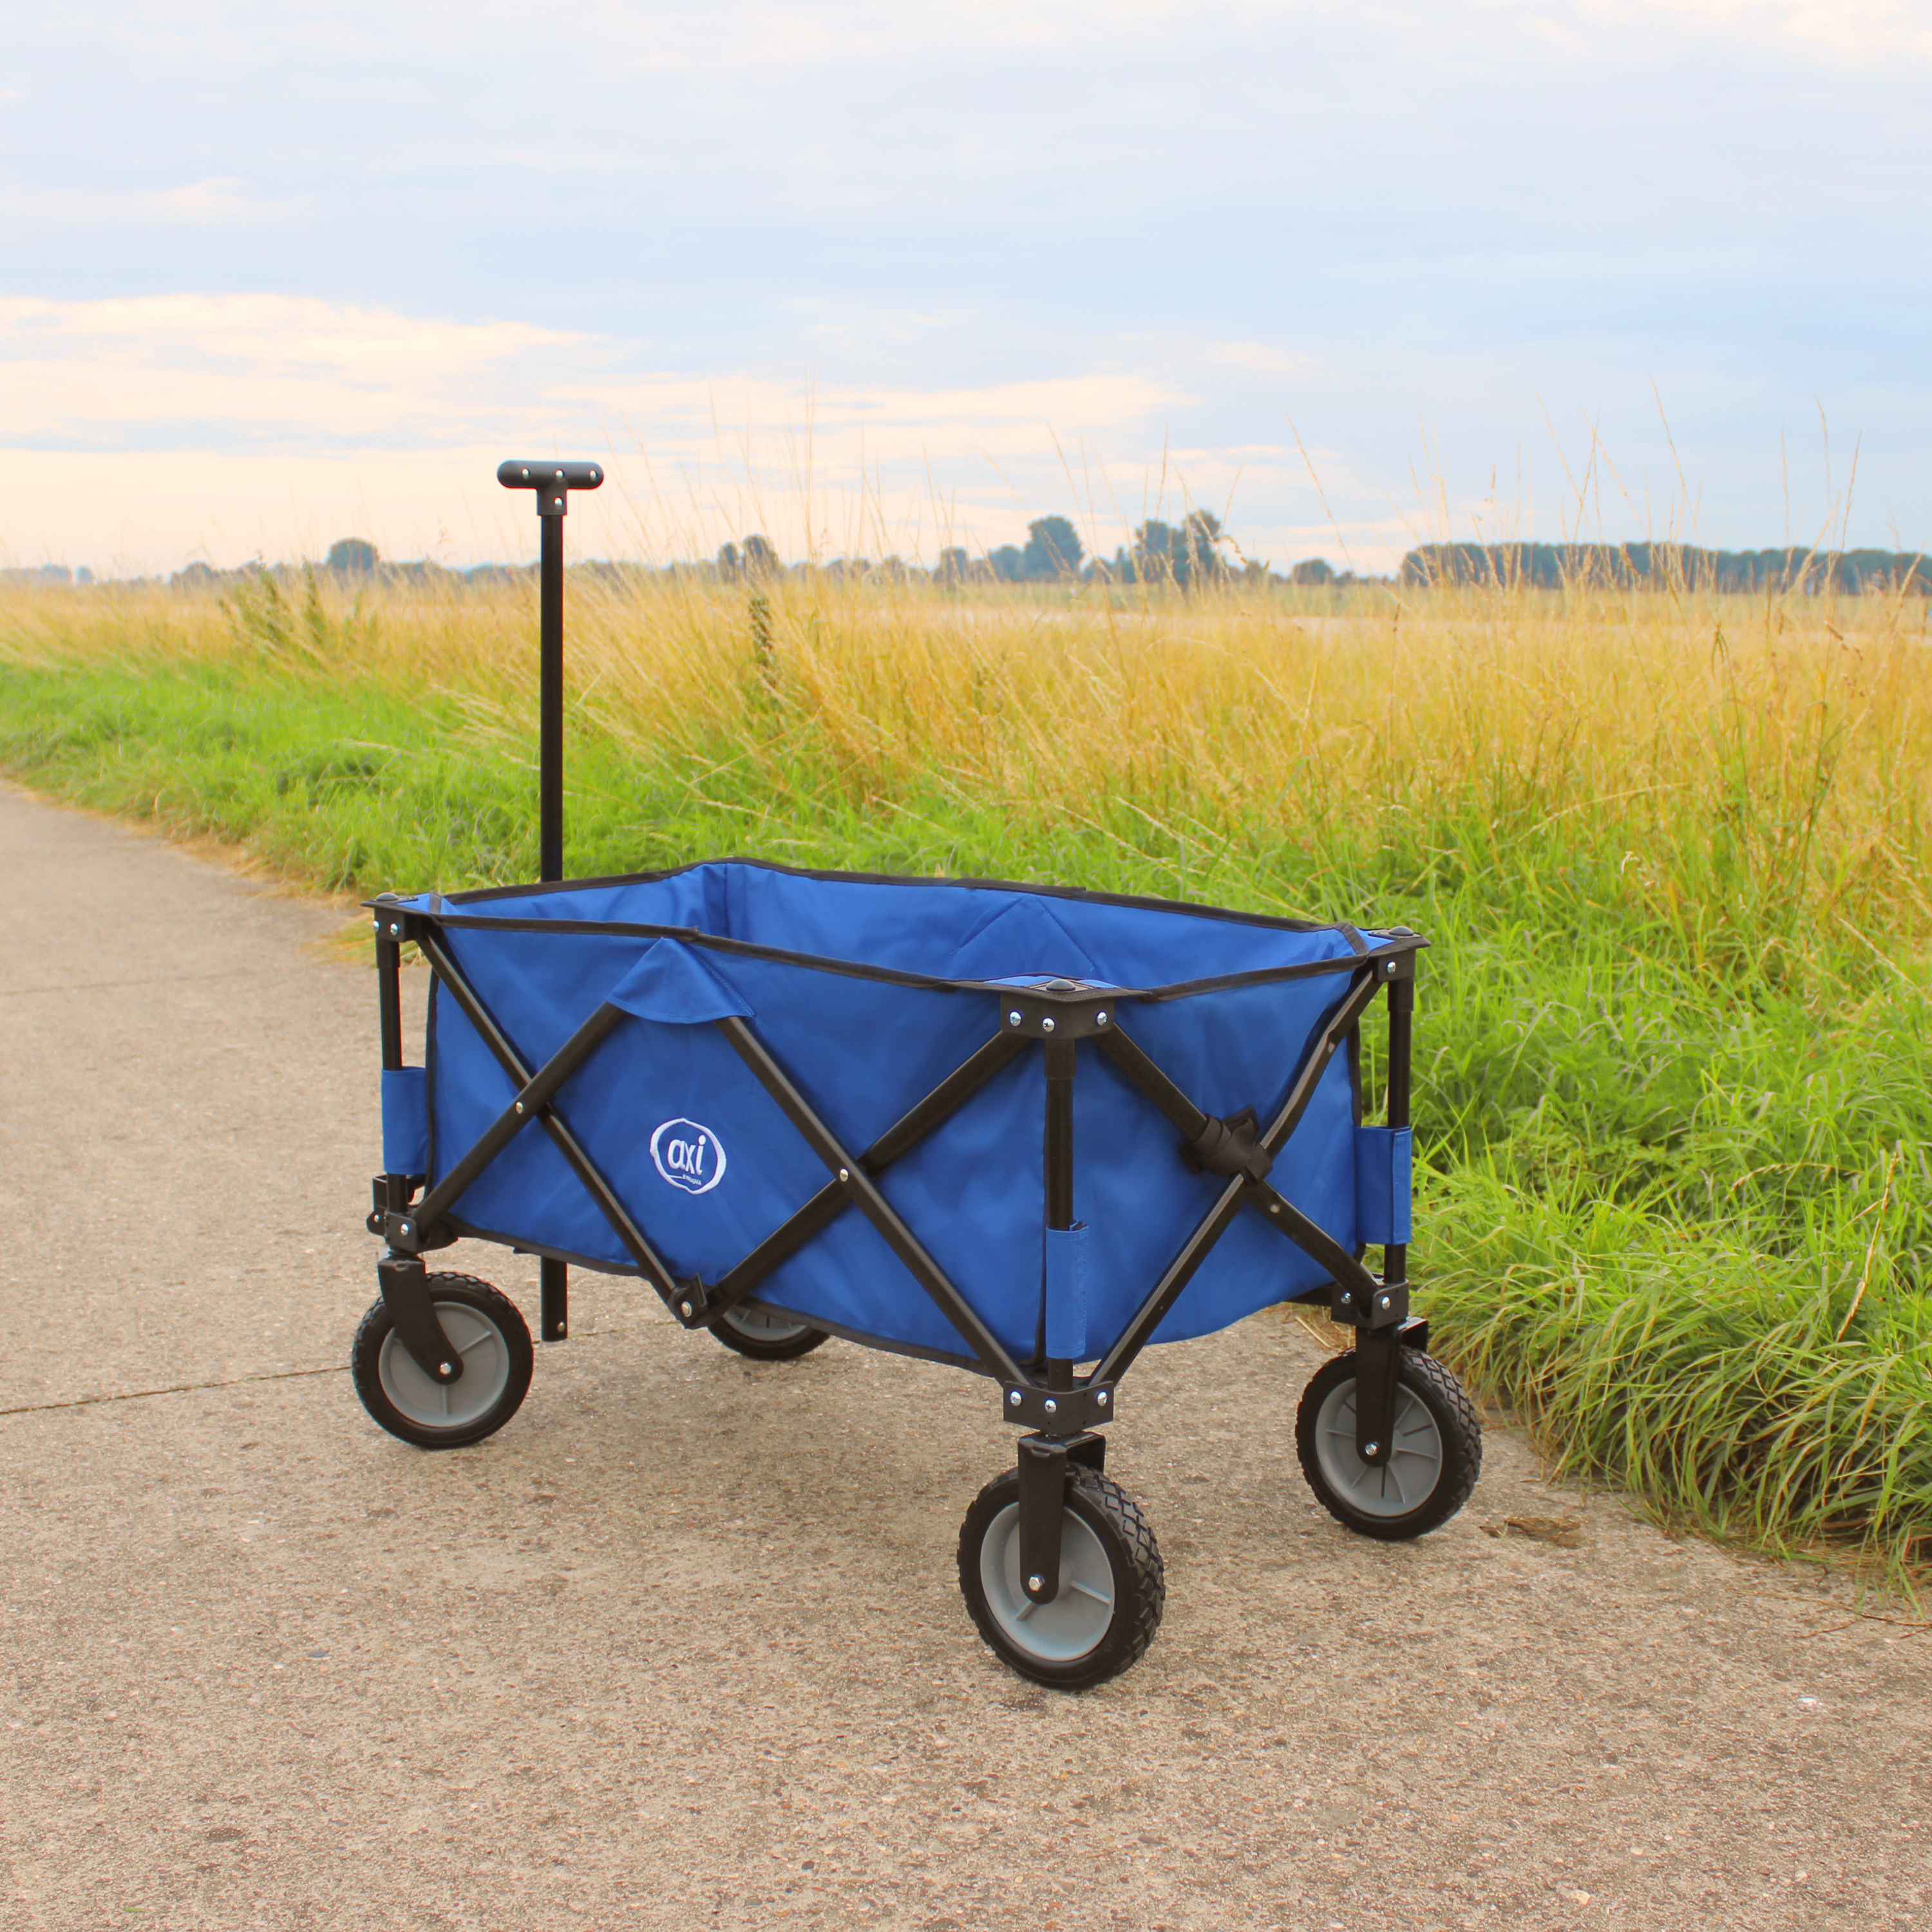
{"x":1675,"y":1196}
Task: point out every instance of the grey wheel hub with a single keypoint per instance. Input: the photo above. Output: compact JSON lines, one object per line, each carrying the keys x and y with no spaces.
{"x":1405,"y":1481}
{"x":434,"y":1405}
{"x":1077,"y":1619}
{"x":764,"y":1324}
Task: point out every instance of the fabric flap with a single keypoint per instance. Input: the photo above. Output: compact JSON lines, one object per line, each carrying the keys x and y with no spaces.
{"x":671,"y":984}
{"x":405,"y":1121}
{"x":1066,"y":1254}
{"x":1383,"y":1184}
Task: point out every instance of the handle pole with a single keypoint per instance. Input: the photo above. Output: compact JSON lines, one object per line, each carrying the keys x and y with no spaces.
{"x":550,"y":702}
{"x":551,"y":481}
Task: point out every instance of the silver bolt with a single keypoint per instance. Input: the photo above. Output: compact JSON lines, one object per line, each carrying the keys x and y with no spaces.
{"x":395,"y":931}
{"x":1035,"y":1583}
{"x":1012,"y":1019}
{"x":405,"y":1228}
{"x":520,"y":1106}
{"x":562,"y":1330}
{"x":1101,"y":1398}
{"x":1391,"y":969}
{"x":1052,"y":1407}
{"x":1100,"y":1019}
{"x":1347,"y":1301}
{"x":1274,"y":1206}
{"x":845,"y":1174}
{"x":524,"y":472}
{"x":684,"y":1308}
{"x":1012,"y":1398}
{"x":1372,"y":1450}
{"x":1046,"y":1026}
{"x":449,"y":1368}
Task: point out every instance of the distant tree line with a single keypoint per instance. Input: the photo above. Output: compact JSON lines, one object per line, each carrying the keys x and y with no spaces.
{"x":1645,"y":566}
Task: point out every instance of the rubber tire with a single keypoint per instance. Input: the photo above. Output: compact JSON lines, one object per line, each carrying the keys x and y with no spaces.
{"x":1457,"y":1424}
{"x":762,"y":1348}
{"x":1140,"y":1578}
{"x":464,"y":1291}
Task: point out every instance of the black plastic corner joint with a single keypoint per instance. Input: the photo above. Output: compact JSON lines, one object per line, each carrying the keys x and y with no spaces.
{"x":1229,"y":1147}
{"x":551,"y":480}
{"x":1057,"y":1411}
{"x":1386,"y":1306}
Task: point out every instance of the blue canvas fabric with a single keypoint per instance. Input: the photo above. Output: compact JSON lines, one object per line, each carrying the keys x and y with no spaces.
{"x":1384,"y":1157}
{"x":405,"y":1121}
{"x":884,"y":989}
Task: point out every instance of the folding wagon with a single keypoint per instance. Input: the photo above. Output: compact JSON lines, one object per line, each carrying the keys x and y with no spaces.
{"x":1023,"y":1131}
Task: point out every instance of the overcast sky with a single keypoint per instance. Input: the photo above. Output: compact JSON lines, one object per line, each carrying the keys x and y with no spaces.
{"x":875,"y":277}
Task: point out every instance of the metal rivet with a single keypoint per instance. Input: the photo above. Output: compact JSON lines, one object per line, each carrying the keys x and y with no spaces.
{"x":1035,"y":1583}
{"x":562,"y":1330}
{"x":1383,"y":1303}
{"x":520,"y":1106}
{"x":394,"y":930}
{"x":1101,"y":1398}
{"x":1046,"y":1026}
{"x":449,"y":1368}
{"x":1012,"y":1019}
{"x":523,"y":472}
{"x":1052,"y":1407}
{"x":1100,"y":1019}
{"x":845,"y":1174}
{"x":684,"y":1308}
{"x":1372,"y":1450}
{"x":1012,"y":1398}
{"x":405,"y":1227}
{"x":1391,"y":969}
{"x":1274,"y":1206}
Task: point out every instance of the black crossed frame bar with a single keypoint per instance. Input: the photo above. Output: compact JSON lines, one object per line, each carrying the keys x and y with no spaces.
{"x":1058,"y":1401}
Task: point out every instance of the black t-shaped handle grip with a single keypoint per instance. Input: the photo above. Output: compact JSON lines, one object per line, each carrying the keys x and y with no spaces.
{"x":551,"y":480}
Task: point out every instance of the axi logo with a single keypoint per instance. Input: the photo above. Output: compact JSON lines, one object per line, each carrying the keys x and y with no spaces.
{"x":689,"y":1156}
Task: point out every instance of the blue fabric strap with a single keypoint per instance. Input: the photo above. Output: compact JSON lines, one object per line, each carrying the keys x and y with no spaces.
{"x":405,"y":1121}
{"x":670,"y":984}
{"x":1384,"y":1157}
{"x":1066,"y":1255}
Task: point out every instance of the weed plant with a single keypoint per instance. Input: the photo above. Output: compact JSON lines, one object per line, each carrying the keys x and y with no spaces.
{"x":1671,"y":851}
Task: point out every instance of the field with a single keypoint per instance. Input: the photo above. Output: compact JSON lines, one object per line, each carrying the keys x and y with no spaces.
{"x":1672,"y":852}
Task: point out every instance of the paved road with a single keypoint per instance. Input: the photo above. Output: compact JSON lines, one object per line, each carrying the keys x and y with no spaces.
{"x":680,"y":1649}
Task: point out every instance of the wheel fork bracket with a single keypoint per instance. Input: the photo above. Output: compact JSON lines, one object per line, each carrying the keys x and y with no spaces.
{"x":1377,"y":1372}
{"x":405,"y":1285}
{"x":1042,"y":1473}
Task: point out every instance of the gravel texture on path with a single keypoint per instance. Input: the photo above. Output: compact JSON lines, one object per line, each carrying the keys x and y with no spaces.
{"x":681,"y":1646}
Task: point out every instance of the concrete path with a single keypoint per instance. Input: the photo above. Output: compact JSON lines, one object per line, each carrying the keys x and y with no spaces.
{"x":681,"y":1647}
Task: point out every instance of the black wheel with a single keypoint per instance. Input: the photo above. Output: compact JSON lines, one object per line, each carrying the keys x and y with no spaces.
{"x":1437,"y":1446}
{"x":766,"y":1335}
{"x":1113,"y":1585}
{"x":485,"y":1328}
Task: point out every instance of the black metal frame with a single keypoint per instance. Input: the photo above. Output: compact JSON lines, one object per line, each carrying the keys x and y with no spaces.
{"x":1060,"y":1407}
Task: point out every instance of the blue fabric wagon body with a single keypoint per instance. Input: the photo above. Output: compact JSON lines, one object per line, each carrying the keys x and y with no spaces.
{"x":869,"y":993}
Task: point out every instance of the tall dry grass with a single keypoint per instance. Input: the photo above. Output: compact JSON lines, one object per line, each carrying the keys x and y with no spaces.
{"x":1752,"y":769}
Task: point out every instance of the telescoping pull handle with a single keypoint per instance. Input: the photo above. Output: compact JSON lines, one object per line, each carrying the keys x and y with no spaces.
{"x":551,"y":480}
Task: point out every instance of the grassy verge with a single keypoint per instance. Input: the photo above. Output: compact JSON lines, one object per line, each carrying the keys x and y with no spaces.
{"x":1675,"y":1034}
